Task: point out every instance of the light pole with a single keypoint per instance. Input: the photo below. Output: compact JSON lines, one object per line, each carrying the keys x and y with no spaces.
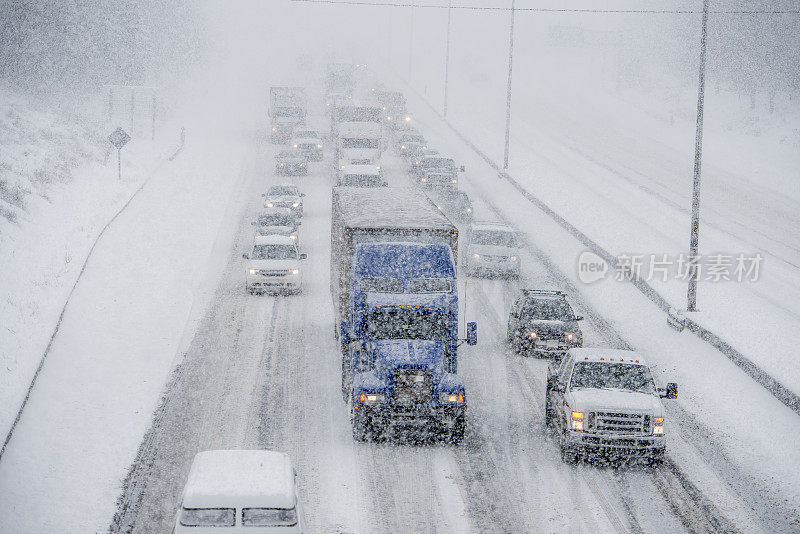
{"x":411,"y":47}
{"x":691,"y":295}
{"x":447,"y":56}
{"x":508,"y":91}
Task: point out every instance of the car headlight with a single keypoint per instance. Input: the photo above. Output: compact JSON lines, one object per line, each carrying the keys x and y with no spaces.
{"x":274,"y":129}
{"x":296,"y":205}
{"x":577,"y":420}
{"x":451,"y":398}
{"x":319,"y":146}
{"x":454,"y":181}
{"x":424,"y":180}
{"x":476,"y":256}
{"x":269,"y":205}
{"x":513,"y":258}
{"x":294,"y":146}
{"x":469,"y":210}
{"x":301,"y":164}
{"x":570,"y":336}
{"x":403,"y":146}
{"x":388,"y":118}
{"x":407,"y":119}
{"x":658,"y":426}
{"x":281,"y":164}
{"x":253,"y":271}
{"x":372,"y":398}
{"x":532,"y":335}
{"x":293,"y":236}
{"x":294,"y":271}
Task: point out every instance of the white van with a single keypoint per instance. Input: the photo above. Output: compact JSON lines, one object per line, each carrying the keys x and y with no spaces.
{"x":240,"y":491}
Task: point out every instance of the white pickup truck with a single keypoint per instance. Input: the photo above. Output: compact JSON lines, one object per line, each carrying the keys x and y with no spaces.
{"x":604,"y":402}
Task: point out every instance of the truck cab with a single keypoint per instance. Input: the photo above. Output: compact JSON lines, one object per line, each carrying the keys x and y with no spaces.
{"x":399,"y":348}
{"x":604,"y":402}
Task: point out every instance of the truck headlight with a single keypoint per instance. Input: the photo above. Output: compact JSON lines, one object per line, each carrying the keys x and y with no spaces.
{"x":451,"y":398}
{"x":294,"y":271}
{"x":372,"y":398}
{"x":296,"y":205}
{"x":570,"y":336}
{"x":577,"y":420}
{"x":253,"y":271}
{"x":532,"y":335}
{"x":658,"y":426}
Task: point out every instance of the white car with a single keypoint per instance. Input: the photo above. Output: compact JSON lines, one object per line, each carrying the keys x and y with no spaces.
{"x":493,"y":249}
{"x":240,"y":491}
{"x":285,"y":196}
{"x":274,"y":265}
{"x":604,"y":402}
{"x":361,"y":176}
{"x":309,"y":143}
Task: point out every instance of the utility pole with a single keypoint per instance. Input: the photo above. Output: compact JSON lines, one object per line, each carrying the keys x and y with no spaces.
{"x":508,"y":91}
{"x":691,"y":295}
{"x":411,"y":47}
{"x":447,"y":56}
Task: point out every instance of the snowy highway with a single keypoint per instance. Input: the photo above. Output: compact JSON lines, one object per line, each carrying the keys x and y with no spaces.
{"x":263,"y":372}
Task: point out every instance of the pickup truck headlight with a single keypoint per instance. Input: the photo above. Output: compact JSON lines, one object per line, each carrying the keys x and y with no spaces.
{"x":253,"y":271}
{"x":658,"y":426}
{"x":577,"y":420}
{"x":451,"y":398}
{"x":372,"y":398}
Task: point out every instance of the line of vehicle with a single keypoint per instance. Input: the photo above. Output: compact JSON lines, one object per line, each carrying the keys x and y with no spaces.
{"x":785,"y":395}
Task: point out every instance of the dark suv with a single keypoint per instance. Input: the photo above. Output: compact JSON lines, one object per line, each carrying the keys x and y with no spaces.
{"x":543,"y":323}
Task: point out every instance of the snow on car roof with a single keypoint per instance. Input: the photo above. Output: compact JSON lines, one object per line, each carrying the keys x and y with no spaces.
{"x":389,"y":207}
{"x":606,"y":354}
{"x":240,"y":479}
{"x":273,"y":239}
{"x":498,"y":227}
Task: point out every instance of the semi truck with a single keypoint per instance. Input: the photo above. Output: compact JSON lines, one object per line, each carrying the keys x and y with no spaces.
{"x":358,"y":131}
{"x":395,"y":293}
{"x":287,"y":111}
{"x":393,"y":105}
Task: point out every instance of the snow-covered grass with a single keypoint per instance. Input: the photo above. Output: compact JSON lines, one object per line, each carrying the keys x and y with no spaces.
{"x":58,"y":189}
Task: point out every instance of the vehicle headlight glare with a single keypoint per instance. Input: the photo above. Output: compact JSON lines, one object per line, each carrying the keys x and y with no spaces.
{"x":577,"y":420}
{"x":319,"y":146}
{"x":658,"y":425}
{"x":532,"y":335}
{"x":296,"y":205}
{"x":513,"y":258}
{"x":476,"y":256}
{"x":294,"y":271}
{"x":270,"y":205}
{"x":451,"y":398}
{"x":570,"y":336}
{"x":294,"y":146}
{"x":253,"y":271}
{"x":372,"y":398}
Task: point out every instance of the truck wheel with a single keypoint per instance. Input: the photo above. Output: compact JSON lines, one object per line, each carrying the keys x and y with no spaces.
{"x":568,"y":454}
{"x":548,"y":412}
{"x":457,"y":433}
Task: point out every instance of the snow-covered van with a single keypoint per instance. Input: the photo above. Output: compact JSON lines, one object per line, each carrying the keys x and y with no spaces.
{"x":274,"y":265}
{"x":240,"y":491}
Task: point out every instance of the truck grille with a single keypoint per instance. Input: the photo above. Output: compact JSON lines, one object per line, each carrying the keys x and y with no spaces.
{"x":413,"y":386}
{"x":618,"y":422}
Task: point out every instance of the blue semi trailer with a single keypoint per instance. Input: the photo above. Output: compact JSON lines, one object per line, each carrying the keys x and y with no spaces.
{"x":395,"y":288}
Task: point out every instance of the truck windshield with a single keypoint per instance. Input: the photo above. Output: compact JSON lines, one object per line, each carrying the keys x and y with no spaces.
{"x":548,"y":310}
{"x":381,"y":285}
{"x":607,"y":375}
{"x":274,"y":252}
{"x":350,"y":142}
{"x":497,"y":238}
{"x":288,"y":112}
{"x":407,"y":324}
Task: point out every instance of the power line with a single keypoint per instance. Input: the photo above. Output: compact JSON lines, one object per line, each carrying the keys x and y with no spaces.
{"x":552,"y":10}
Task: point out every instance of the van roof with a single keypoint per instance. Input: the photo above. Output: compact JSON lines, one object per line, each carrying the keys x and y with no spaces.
{"x":240,"y":479}
{"x":607,"y":355}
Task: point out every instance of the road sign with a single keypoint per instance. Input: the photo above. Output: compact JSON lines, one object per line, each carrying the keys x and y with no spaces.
{"x":119,"y":138}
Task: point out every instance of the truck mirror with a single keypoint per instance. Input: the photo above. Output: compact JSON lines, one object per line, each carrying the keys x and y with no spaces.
{"x":344,"y":335}
{"x":579,"y":317}
{"x":671,"y":392}
{"x":303,"y":255}
{"x":472,"y":333}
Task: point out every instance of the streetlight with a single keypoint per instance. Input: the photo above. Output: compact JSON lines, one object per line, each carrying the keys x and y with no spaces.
{"x":508,"y":91}
{"x":691,"y":295}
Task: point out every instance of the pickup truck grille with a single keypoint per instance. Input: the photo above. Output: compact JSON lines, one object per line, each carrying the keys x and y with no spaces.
{"x":619,"y":423}
{"x":413,"y":386}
